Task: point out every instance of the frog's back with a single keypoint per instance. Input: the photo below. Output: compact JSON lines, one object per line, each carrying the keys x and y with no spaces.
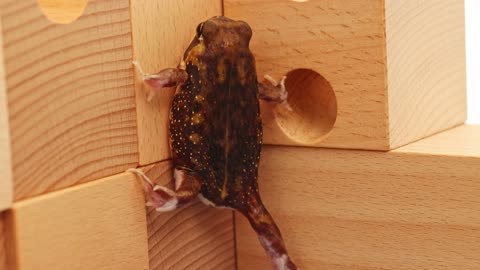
{"x":216,"y":128}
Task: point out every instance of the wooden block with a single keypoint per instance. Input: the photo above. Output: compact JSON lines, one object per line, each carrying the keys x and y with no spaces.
{"x":194,"y":237}
{"x":3,"y":251}
{"x":162,"y":31}
{"x":5,"y":154}
{"x":413,"y":208}
{"x":97,"y":225}
{"x":363,"y":75}
{"x":70,"y":95}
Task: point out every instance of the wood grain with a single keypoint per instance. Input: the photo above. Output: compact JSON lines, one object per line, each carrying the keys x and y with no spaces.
{"x":194,"y":237}
{"x":397,"y":67}
{"x":426,"y":68}
{"x":6,"y":191}
{"x":412,"y":208}
{"x":162,"y":30}
{"x":70,"y":95}
{"x":97,"y":225}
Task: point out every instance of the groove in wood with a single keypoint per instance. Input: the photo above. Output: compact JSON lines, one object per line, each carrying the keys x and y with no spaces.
{"x":161,"y":31}
{"x":193,"y":237}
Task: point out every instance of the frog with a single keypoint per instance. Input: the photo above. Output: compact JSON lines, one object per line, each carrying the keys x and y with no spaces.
{"x":216,"y":129}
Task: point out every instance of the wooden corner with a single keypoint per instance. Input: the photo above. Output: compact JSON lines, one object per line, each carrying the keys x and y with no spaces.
{"x":70,"y":92}
{"x":193,"y":237}
{"x":161,"y":32}
{"x":415,"y":207}
{"x":98,"y":225}
{"x":426,"y":68}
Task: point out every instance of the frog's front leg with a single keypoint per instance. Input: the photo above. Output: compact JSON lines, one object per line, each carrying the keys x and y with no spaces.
{"x":187,"y":187}
{"x":168,"y":77}
{"x":274,"y":91}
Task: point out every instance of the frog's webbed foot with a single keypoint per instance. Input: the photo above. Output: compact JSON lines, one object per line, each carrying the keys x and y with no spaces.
{"x":274,"y":91}
{"x":168,"y":77}
{"x":164,"y":199}
{"x":268,"y":234}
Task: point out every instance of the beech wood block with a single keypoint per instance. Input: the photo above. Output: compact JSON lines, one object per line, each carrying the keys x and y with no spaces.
{"x":417,"y":207}
{"x":193,"y":237}
{"x":71,"y":99}
{"x":5,"y":155}
{"x":161,"y":32}
{"x":360,"y":74}
{"x":97,"y":225}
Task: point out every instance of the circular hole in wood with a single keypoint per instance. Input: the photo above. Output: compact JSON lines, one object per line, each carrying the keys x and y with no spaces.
{"x":62,"y":11}
{"x":314,"y":107}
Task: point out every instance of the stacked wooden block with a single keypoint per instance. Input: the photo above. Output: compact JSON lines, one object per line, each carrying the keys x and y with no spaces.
{"x":397,"y":69}
{"x":380,"y":77}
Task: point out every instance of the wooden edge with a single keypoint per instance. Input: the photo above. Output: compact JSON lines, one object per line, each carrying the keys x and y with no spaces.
{"x":98,"y":225}
{"x":193,"y":237}
{"x":412,"y":208}
{"x":6,"y":189}
{"x":463,"y":141}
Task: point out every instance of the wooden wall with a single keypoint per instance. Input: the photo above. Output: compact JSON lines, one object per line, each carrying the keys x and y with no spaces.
{"x":371,"y":75}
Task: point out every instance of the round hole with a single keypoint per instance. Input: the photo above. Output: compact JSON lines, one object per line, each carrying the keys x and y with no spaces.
{"x":62,"y":11}
{"x":313,"y":107}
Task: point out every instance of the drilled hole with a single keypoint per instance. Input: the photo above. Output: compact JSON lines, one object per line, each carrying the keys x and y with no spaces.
{"x":314,"y":107}
{"x":62,"y":11}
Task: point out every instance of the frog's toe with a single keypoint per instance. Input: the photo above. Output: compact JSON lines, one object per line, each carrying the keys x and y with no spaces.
{"x":169,"y":205}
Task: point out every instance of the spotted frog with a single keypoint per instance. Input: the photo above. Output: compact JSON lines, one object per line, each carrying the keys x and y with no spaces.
{"x":216,"y":129}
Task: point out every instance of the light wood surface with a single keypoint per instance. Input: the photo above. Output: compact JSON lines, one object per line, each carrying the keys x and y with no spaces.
{"x":463,"y":141}
{"x":3,"y":251}
{"x":62,"y":11}
{"x":97,"y":225}
{"x":426,"y":68}
{"x":70,"y":95}
{"x":161,"y":32}
{"x":394,"y":82}
{"x":193,"y":237}
{"x":412,"y":208}
{"x":5,"y":154}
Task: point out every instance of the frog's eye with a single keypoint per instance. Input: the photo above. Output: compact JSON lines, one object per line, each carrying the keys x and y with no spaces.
{"x":199,"y":30}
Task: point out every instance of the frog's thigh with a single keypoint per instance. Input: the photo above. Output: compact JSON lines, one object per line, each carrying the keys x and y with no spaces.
{"x":187,"y":186}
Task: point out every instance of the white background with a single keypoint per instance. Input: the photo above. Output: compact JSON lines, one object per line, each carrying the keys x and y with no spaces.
{"x":472,"y":15}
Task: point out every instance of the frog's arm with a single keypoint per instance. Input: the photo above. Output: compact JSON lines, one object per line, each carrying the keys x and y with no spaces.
{"x":268,"y":234}
{"x":168,"y":77}
{"x":274,"y":91}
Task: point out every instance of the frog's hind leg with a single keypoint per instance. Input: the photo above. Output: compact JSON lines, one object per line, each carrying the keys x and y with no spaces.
{"x":163,"y":199}
{"x":268,"y":234}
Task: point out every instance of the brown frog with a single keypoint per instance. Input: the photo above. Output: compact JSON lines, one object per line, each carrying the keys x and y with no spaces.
{"x":216,"y":129}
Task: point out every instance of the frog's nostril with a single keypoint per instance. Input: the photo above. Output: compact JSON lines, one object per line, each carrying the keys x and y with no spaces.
{"x":313,"y":107}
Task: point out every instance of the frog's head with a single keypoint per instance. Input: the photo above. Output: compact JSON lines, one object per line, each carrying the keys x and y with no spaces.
{"x":222,"y":32}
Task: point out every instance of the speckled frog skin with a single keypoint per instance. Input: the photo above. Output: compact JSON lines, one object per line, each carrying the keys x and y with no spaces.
{"x":216,"y":129}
